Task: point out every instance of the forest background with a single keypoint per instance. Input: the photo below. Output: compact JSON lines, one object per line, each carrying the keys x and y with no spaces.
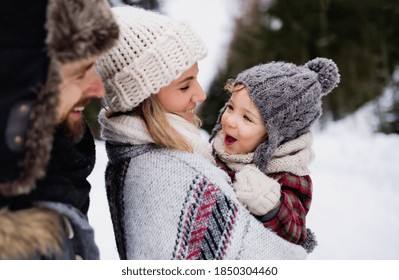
{"x":361,"y":36}
{"x":355,"y":171}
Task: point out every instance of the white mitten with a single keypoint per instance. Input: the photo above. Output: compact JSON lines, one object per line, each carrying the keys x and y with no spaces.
{"x":258,"y":192}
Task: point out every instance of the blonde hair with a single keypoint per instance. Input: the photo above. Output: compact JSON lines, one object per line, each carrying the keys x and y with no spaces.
{"x":154,"y":117}
{"x":230,"y":86}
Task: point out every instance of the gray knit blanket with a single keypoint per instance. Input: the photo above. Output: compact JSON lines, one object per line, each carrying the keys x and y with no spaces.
{"x":176,"y":205}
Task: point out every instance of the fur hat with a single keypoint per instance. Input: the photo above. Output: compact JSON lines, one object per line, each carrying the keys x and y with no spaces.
{"x":152,"y":52}
{"x":288,"y":98}
{"x":74,"y":30}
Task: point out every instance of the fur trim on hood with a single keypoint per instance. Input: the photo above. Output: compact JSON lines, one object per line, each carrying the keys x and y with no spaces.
{"x":31,"y":233}
{"x":76,"y":30}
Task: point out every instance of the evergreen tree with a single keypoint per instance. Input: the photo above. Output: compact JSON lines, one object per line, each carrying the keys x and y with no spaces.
{"x":361,"y":36}
{"x":389,"y":109}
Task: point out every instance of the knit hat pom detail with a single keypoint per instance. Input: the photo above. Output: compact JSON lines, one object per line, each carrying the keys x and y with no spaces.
{"x":289,"y":99}
{"x":327,"y":73}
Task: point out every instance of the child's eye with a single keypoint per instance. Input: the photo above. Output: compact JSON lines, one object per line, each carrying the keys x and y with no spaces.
{"x":229,"y":107}
{"x":81,"y":76}
{"x":247,"y":118}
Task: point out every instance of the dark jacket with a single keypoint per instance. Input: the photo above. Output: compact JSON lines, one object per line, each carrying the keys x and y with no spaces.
{"x":44,"y":192}
{"x":23,"y":72}
{"x":62,"y":194}
{"x":66,"y":175}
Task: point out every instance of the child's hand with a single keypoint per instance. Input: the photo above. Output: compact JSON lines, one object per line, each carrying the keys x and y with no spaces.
{"x":258,"y":192}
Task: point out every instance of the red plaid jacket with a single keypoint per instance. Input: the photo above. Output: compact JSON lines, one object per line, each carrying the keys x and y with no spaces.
{"x":296,"y":197}
{"x":288,"y":220}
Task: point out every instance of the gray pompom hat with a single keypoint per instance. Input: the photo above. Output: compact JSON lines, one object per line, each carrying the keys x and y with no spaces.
{"x":288,"y":98}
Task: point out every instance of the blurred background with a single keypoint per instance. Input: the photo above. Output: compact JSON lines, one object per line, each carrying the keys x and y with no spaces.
{"x":361,"y":36}
{"x":355,"y":173}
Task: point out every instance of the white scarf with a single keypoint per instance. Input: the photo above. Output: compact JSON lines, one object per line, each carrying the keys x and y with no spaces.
{"x":132,"y":130}
{"x":293,"y":156}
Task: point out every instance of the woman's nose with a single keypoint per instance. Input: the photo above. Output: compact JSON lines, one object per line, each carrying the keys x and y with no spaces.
{"x":95,"y":87}
{"x":199,"y":95}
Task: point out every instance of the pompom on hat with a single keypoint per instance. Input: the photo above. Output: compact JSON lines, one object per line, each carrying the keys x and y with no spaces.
{"x":152,"y":52}
{"x":288,"y":98}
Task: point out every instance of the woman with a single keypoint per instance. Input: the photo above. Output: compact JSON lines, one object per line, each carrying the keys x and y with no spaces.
{"x":167,"y":198}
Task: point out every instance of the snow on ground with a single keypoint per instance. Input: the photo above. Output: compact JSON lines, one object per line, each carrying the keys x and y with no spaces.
{"x":355,"y":205}
{"x":356,"y":196}
{"x":99,"y":216}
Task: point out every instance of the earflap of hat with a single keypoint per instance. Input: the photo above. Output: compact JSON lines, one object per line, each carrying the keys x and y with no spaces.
{"x":265,"y":151}
{"x":76,"y":29}
{"x":30,"y":116}
{"x":218,"y":124}
{"x":39,"y":138}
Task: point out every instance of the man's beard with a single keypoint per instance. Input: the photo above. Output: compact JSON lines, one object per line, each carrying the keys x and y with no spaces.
{"x":75,"y":130}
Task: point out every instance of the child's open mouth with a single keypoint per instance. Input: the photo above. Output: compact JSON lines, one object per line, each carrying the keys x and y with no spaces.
{"x":229,"y":140}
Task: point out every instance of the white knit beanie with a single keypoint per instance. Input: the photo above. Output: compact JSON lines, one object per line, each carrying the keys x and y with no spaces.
{"x":152,"y":51}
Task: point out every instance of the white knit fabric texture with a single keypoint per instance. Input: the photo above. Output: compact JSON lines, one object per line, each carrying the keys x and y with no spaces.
{"x":155,"y":189}
{"x":293,"y":156}
{"x":152,"y":51}
{"x":234,"y":161}
{"x":258,"y":192}
{"x":255,"y":190}
{"x":132,"y":130}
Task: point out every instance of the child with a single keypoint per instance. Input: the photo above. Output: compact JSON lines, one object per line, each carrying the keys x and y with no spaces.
{"x":262,"y":138}
{"x":167,"y":198}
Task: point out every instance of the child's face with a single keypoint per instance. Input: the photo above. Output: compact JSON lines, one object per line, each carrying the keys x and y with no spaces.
{"x":242,"y":124}
{"x":182,"y":95}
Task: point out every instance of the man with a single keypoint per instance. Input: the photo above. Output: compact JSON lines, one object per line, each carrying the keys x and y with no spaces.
{"x":47,"y":77}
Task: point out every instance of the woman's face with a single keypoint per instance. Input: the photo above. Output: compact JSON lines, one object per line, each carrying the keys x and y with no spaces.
{"x":182,"y":95}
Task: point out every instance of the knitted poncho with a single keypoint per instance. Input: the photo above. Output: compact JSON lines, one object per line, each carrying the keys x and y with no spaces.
{"x":168,"y":204}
